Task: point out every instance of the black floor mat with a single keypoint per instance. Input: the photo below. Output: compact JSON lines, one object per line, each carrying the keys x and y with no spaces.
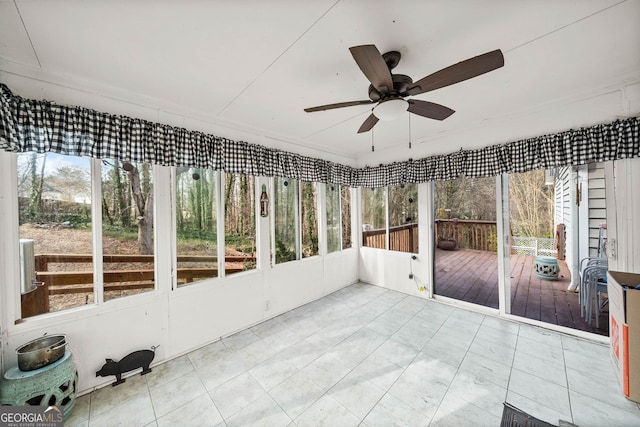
{"x":514,"y":417}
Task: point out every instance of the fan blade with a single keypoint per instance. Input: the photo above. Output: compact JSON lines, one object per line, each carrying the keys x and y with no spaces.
{"x":373,"y":66}
{"x":338,"y":105}
{"x":368,"y":124}
{"x":428,"y":109}
{"x":459,"y":72}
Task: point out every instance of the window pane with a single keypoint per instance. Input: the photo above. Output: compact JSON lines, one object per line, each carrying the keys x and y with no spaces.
{"x":54,"y":193}
{"x":309,"y":218}
{"x":345,"y":207}
{"x":374,"y":209}
{"x":285,"y":217}
{"x":196,"y":237}
{"x":403,"y":218}
{"x":333,"y":218}
{"x":239,"y":223}
{"x":127,"y":228}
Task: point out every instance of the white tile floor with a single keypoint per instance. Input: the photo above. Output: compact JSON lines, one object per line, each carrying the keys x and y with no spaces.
{"x":366,"y":356}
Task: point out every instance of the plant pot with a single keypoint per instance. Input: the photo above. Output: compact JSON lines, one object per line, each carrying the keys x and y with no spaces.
{"x":447,"y":244}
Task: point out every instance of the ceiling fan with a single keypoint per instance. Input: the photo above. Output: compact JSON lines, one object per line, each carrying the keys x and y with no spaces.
{"x":388,"y":90}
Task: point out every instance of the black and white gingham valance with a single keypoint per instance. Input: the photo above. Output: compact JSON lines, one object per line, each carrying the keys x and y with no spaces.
{"x":42,"y":126}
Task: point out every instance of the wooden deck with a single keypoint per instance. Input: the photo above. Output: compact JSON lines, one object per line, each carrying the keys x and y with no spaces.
{"x":472,"y":276}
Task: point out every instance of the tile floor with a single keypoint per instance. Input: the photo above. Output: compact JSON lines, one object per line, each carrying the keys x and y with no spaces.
{"x":367,"y":356}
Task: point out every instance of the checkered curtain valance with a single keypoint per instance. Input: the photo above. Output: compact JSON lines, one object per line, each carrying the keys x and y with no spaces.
{"x":42,"y":126}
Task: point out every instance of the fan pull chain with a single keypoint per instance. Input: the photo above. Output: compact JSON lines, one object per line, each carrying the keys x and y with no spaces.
{"x":372,"y":147}
{"x":409,"y":115}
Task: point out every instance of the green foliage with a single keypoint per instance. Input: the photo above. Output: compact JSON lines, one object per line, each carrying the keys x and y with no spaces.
{"x":242,"y":243}
{"x":492,"y":240}
{"x":284,"y":253}
{"x":192,"y":233}
{"x":55,"y":212}
{"x":249,"y":265}
{"x":120,"y":232}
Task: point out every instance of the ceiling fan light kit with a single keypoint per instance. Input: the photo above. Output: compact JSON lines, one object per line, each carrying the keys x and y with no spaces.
{"x":391,"y":109}
{"x":388,"y":90}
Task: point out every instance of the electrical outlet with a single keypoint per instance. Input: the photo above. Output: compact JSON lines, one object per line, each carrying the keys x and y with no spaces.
{"x":267,"y":305}
{"x":611,"y":248}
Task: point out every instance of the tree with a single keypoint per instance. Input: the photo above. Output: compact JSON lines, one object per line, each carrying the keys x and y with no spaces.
{"x":374,"y":207}
{"x":120,"y":198}
{"x":531,"y":204}
{"x":403,"y":206}
{"x":73,"y":183}
{"x":231,"y":223}
{"x":36,"y":184}
{"x":309,"y":218}
{"x":284,"y":218}
{"x":134,"y":189}
{"x":466,"y":198}
{"x":144,"y":204}
{"x":345,"y":205}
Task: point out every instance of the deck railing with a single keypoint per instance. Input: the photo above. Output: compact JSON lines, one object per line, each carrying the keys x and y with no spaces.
{"x":469,"y":234}
{"x":402,"y":238}
{"x":142,"y":277}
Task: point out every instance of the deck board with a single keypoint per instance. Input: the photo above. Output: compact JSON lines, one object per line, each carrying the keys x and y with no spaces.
{"x":472,"y":276}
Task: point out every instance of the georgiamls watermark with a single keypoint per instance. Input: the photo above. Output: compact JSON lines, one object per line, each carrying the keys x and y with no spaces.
{"x":31,"y":416}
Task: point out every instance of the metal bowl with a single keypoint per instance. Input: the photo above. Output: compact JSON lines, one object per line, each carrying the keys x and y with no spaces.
{"x":41,"y":352}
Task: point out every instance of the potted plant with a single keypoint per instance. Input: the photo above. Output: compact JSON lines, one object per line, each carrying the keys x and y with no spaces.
{"x":446,"y":240}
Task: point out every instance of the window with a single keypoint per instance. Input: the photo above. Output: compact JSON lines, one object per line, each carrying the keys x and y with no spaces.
{"x":239,"y":223}
{"x":309,"y":218}
{"x":55,"y":229}
{"x":345,"y":210}
{"x":333,"y":218}
{"x":286,"y":220}
{"x":127,"y":228}
{"x":338,"y":218}
{"x":196,"y":226}
{"x":403,"y":218}
{"x":374,"y":217}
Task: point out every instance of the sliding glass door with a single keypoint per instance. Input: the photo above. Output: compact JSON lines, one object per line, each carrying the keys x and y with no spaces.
{"x":466,"y":259}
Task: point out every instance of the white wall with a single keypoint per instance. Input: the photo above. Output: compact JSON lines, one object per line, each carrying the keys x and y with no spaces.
{"x":622,"y":179}
{"x":391,"y":269}
{"x":178,"y":320}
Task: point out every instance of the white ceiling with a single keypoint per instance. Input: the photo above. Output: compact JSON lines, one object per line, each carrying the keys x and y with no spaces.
{"x":254,"y":65}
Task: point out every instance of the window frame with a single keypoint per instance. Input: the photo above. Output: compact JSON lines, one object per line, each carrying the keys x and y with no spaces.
{"x":10,"y":263}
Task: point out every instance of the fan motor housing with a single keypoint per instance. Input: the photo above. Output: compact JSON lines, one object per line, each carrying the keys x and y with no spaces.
{"x":400,"y":84}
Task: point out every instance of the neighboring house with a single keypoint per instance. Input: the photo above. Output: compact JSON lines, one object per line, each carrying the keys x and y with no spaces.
{"x":580,"y":204}
{"x":51,"y":193}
